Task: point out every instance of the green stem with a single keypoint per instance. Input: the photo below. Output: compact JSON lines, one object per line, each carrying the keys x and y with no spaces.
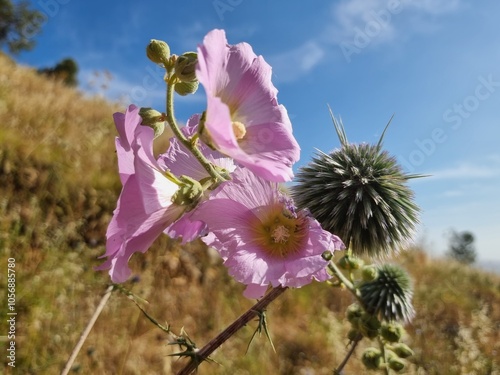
{"x":387,"y":370}
{"x":185,"y":141}
{"x":355,"y":342}
{"x":343,"y":279}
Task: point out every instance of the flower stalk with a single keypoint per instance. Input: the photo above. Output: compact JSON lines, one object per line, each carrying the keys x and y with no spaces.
{"x":190,"y":145}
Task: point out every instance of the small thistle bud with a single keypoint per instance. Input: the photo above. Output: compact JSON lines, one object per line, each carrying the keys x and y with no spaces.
{"x":158,"y":52}
{"x":353,"y":314}
{"x":396,"y":364}
{"x":402,"y":350}
{"x":359,"y":192}
{"x":186,"y":88}
{"x":389,"y":295}
{"x":392,"y":332}
{"x":369,"y":326}
{"x":185,"y":66}
{"x":369,"y":273}
{"x":188,"y":193}
{"x":372,"y":359}
{"x":154,"y":119}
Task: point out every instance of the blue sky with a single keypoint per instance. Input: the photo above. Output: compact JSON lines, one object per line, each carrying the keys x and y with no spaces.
{"x":434,"y":64}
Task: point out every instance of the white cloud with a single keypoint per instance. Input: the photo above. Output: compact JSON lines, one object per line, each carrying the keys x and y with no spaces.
{"x":380,"y":19}
{"x":293,"y":64}
{"x":466,"y":171}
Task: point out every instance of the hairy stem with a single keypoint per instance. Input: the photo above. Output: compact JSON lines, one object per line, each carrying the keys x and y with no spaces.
{"x":191,"y":146}
{"x":231,"y":330}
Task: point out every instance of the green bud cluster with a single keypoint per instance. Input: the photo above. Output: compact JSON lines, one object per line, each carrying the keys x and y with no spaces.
{"x":364,"y":324}
{"x":350,"y":263}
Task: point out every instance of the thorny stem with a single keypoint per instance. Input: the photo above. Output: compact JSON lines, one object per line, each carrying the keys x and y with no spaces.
{"x":185,"y":141}
{"x":87,"y":330}
{"x":231,"y":330}
{"x":355,"y":342}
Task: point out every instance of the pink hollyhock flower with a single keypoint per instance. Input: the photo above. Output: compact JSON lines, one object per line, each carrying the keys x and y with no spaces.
{"x":261,"y":237}
{"x":145,"y":207}
{"x":243,"y":118}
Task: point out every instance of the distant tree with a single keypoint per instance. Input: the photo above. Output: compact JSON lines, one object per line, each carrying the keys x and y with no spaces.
{"x":65,"y":70}
{"x":461,"y":247}
{"x":18,"y":24}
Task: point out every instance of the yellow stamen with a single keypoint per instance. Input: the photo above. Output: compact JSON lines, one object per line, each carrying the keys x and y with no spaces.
{"x":278,"y":233}
{"x":239,"y":130}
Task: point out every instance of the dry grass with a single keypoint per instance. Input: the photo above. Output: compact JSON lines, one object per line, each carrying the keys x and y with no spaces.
{"x":58,"y":188}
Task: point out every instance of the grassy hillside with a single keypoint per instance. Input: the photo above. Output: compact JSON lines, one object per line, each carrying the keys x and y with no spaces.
{"x":58,"y":188}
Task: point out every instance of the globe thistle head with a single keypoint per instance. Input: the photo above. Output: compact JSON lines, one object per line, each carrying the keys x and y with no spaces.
{"x":389,"y":296}
{"x":359,"y":192}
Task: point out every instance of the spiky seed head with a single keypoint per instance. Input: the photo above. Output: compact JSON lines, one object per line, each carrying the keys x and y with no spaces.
{"x":359,"y":192}
{"x":389,"y":296}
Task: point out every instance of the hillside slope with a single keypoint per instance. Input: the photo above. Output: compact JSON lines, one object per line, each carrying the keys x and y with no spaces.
{"x":58,"y":188}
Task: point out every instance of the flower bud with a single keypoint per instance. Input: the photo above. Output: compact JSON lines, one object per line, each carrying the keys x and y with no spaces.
{"x":369,"y":273}
{"x":369,"y":326}
{"x":353,"y":314}
{"x":402,"y":350}
{"x":392,"y":332}
{"x":186,"y":88}
{"x":372,"y":358}
{"x":154,"y":119}
{"x":348,"y":262}
{"x":353,"y":334}
{"x":188,"y":193}
{"x":158,"y":51}
{"x":396,"y":364}
{"x":185,"y":66}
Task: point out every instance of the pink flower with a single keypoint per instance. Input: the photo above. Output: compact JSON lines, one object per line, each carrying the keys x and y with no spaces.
{"x":243,"y":118}
{"x":261,"y":238}
{"x":145,"y":207}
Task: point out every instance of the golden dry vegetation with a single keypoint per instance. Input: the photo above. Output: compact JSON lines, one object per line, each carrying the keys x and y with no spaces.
{"x":58,"y":188}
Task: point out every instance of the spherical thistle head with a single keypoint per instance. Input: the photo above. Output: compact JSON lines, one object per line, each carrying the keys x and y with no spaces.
{"x":359,"y":192}
{"x":390,"y":295}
